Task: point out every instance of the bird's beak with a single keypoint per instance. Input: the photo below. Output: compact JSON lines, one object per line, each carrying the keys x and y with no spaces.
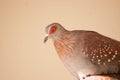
{"x":46,"y":38}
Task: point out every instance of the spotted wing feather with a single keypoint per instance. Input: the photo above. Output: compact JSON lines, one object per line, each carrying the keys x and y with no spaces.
{"x":101,"y":49}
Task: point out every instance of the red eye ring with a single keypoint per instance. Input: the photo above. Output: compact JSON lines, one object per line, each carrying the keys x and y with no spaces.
{"x":53,"y":29}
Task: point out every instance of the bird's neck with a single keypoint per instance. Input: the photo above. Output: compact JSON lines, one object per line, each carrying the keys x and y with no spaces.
{"x":64,"y":46}
{"x":59,"y":34}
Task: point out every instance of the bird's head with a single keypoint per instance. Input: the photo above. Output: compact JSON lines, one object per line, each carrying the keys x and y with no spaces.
{"x":53,"y":31}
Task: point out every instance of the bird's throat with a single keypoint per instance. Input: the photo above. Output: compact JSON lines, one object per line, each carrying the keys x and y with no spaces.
{"x":64,"y":47}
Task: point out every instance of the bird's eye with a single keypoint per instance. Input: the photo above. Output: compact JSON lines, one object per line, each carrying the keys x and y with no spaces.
{"x":53,"y":29}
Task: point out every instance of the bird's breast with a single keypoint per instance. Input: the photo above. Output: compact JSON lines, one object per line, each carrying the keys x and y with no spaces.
{"x":64,"y":47}
{"x":72,"y":57}
{"x":60,"y":49}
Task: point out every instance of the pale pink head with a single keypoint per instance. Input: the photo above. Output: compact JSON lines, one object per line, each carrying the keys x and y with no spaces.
{"x":53,"y":31}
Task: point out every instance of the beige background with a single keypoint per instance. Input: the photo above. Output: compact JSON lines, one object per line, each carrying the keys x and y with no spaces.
{"x":23,"y":56}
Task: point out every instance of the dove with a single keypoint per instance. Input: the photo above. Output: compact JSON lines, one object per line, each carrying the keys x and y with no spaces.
{"x":84,"y":53}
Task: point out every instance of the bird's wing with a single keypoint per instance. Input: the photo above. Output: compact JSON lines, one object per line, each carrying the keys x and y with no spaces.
{"x":101,"y":49}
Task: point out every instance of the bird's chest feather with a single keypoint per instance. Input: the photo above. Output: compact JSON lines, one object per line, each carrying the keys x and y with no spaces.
{"x":65,"y":53}
{"x":72,"y":56}
{"x":64,"y":47}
